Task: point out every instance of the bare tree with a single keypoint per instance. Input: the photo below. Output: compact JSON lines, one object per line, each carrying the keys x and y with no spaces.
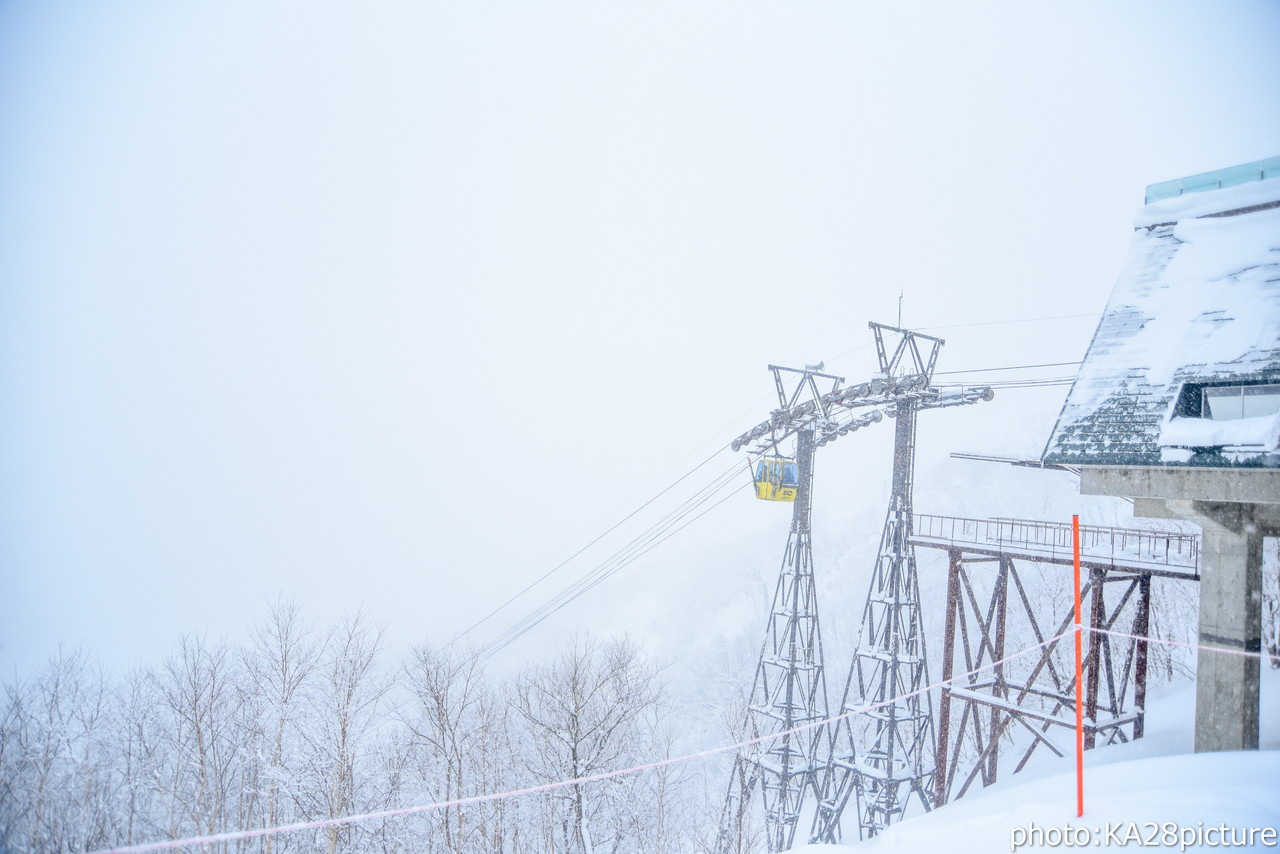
{"x":735,"y":823}
{"x":141,"y":757}
{"x":581,"y":714}
{"x":58,"y":784}
{"x":339,"y":736}
{"x":663,"y":817}
{"x":199,"y":693}
{"x":11,"y":764}
{"x":457,"y":729}
{"x":281,"y":662}
{"x":292,"y":727}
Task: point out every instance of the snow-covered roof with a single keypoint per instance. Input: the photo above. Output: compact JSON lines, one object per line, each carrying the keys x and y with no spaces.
{"x":1197,"y":304}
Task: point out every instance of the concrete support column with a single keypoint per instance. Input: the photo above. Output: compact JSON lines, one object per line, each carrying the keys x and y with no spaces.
{"x":1235,"y":508}
{"x":1230,"y":619}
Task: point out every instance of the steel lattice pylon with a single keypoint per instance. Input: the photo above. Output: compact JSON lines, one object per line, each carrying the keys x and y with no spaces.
{"x":789,"y":690}
{"x":884,"y":758}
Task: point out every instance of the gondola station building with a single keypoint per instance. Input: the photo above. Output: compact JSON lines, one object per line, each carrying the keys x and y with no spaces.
{"x":1177,"y":407}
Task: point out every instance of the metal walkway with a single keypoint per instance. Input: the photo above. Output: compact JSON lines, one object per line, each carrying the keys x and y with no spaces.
{"x":1162,"y":553}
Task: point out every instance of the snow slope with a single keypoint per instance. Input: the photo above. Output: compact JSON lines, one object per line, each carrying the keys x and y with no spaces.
{"x":1137,"y":788}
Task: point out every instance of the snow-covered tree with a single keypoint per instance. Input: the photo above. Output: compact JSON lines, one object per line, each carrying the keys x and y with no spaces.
{"x":339,"y":739}
{"x":457,"y":730}
{"x":58,"y":787}
{"x":280,"y":663}
{"x":203,"y":706}
{"x":582,"y":714}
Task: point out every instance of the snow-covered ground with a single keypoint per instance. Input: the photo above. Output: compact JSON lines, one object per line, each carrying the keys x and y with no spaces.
{"x":1152,"y":794}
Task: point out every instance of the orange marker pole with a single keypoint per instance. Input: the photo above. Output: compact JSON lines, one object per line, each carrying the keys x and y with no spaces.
{"x":1075,"y":552}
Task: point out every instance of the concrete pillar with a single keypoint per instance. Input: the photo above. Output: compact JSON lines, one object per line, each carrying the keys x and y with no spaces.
{"x":1230,"y":619}
{"x":1236,"y":508}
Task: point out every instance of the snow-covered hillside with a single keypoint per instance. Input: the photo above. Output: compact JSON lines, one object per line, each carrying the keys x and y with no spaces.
{"x":1151,"y":786}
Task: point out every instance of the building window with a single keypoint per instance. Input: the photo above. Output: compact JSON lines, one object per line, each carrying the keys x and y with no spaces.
{"x":1233,"y":402}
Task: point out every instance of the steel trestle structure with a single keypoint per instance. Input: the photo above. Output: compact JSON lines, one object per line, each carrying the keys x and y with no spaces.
{"x":993,"y":605}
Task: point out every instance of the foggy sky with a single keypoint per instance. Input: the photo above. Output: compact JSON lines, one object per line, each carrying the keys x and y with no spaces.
{"x":386,"y":305}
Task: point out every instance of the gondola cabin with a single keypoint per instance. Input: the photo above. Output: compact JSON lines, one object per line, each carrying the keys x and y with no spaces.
{"x":777,"y":479}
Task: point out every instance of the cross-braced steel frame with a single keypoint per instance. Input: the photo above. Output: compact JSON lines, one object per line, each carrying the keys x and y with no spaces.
{"x":789,"y":691}
{"x":995,"y":607}
{"x":883,"y":758}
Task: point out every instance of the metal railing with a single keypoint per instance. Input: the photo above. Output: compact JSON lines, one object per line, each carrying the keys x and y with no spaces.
{"x":1116,"y":545}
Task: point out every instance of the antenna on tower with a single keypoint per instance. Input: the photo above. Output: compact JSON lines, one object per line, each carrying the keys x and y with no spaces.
{"x":782,"y":765}
{"x":887,"y":756}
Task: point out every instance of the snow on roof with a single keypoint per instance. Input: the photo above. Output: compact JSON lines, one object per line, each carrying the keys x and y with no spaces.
{"x":1197,"y":302}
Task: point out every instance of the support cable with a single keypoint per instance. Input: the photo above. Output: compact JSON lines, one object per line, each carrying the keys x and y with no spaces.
{"x":1018,"y":320}
{"x":656,"y":534}
{"x":1007,"y":368}
{"x":606,"y":533}
{"x":621,"y":522}
{"x":493,"y":650}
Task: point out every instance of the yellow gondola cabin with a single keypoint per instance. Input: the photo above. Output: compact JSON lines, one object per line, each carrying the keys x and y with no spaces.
{"x":777,"y":479}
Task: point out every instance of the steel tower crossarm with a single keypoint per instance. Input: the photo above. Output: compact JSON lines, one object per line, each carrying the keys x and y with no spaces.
{"x":884,"y":756}
{"x":789,"y":690}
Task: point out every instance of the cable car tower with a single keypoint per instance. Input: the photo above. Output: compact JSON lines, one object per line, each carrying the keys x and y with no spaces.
{"x":886,"y":756}
{"x":789,"y":691}
{"x":790,"y":687}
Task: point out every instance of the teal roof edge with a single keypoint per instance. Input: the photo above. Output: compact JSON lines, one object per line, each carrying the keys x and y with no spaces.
{"x":1231,"y":176}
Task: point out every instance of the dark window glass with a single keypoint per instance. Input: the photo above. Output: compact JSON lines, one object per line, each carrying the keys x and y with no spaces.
{"x":1233,"y":402}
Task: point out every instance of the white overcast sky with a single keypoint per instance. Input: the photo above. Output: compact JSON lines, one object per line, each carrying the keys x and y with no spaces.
{"x":383,"y":304}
